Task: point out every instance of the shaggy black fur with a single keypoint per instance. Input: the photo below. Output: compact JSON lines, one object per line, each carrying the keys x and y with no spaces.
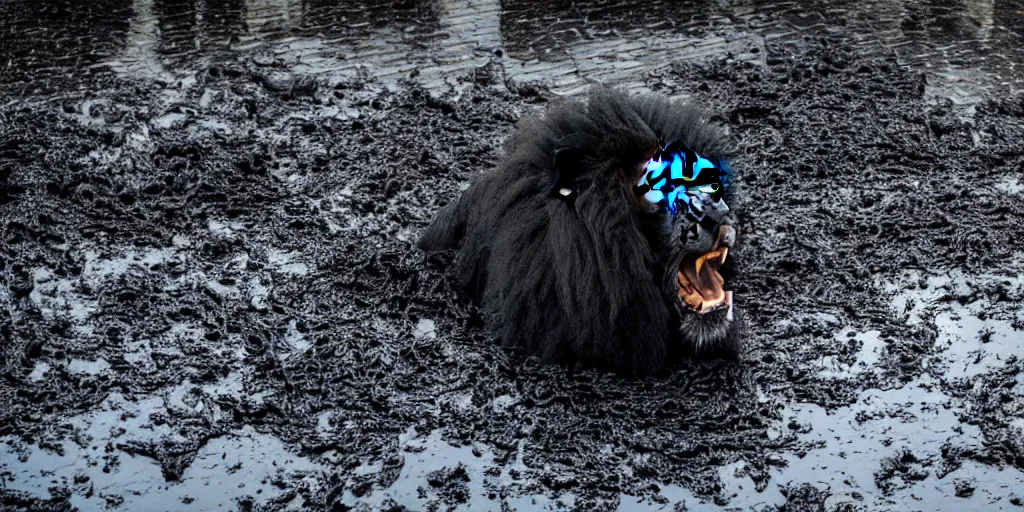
{"x":586,"y":278}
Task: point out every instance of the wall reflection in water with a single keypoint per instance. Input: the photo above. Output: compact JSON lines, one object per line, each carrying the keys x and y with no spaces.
{"x":188,"y":27}
{"x":540,"y":29}
{"x":53,"y":38}
{"x":562,"y":43}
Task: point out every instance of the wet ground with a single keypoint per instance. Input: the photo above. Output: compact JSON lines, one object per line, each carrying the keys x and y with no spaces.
{"x":211,"y":298}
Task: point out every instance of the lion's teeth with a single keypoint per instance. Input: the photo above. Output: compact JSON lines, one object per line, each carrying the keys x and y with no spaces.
{"x":727,"y":235}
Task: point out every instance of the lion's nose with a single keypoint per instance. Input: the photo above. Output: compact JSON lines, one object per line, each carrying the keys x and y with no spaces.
{"x":726,"y":236}
{"x":702,"y":239}
{"x":711,"y":226}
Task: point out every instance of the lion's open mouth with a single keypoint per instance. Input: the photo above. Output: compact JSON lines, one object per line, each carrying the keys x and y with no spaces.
{"x":701,"y":287}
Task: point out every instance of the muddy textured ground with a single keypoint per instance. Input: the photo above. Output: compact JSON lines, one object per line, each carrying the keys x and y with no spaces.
{"x":211,"y":298}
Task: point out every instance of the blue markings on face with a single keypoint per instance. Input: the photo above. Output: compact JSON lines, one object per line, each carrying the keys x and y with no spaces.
{"x":690,"y":175}
{"x":702,"y":163}
{"x":656,"y":166}
{"x":726,"y":174}
{"x":676,"y":196}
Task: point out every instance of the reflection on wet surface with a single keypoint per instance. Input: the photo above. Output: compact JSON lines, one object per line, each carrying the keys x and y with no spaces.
{"x":432,"y":468}
{"x":905,"y":431}
{"x":43,"y":41}
{"x":968,"y":48}
{"x":902,"y":437}
{"x":107,"y":467}
{"x":970,"y":340}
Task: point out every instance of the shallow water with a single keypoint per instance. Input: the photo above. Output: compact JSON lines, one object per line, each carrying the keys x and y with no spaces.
{"x":103,"y":472}
{"x":968,"y":47}
{"x":211,"y":297}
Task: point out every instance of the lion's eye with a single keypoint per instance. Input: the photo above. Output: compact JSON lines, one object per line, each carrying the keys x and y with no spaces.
{"x":710,"y":188}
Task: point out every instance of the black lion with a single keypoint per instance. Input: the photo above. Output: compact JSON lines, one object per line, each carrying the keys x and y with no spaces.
{"x":599,"y":238}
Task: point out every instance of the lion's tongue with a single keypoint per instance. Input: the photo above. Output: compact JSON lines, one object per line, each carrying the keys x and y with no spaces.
{"x":700,"y":284}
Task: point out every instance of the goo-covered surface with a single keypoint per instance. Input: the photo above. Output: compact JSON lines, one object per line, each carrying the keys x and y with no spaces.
{"x":211,"y":296}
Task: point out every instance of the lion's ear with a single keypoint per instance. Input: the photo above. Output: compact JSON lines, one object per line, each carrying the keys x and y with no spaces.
{"x":567,"y":163}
